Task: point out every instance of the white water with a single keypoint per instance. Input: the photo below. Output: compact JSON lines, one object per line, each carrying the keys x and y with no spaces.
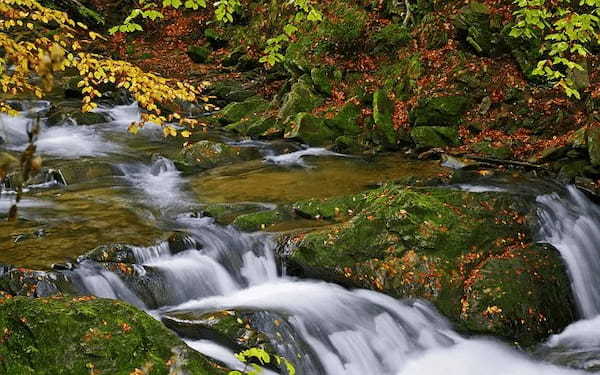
{"x":571,"y":224}
{"x":297,"y":157}
{"x":66,"y":141}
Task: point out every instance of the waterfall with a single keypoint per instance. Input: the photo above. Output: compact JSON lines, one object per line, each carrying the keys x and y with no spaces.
{"x":572,"y":225}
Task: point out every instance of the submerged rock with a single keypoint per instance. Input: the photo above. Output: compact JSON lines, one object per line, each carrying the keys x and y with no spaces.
{"x":88,"y":335}
{"x":471,"y":254}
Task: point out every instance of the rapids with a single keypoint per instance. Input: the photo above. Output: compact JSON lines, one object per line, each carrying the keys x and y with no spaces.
{"x":328,"y":330}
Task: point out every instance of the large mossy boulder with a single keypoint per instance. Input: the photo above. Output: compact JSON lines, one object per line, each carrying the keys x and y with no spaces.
{"x":235,"y":112}
{"x":434,"y":136}
{"x":471,"y":254}
{"x":301,"y":98}
{"x":311,"y":130}
{"x":87,"y":335}
{"x":208,"y":154}
{"x":440,"y":111}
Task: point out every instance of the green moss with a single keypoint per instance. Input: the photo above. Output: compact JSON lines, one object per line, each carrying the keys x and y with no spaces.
{"x":259,"y":220}
{"x":440,"y":111}
{"x":198,"y":54}
{"x":235,"y":112}
{"x":391,"y":37}
{"x":311,"y":130}
{"x":434,"y":136}
{"x":301,"y":98}
{"x":208,"y":154}
{"x":442,"y":245}
{"x":76,"y":336}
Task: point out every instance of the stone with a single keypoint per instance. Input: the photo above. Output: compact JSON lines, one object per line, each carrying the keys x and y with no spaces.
{"x":434,"y":136}
{"x":301,"y":98}
{"x":383,"y":110}
{"x":79,"y":335}
{"x":235,"y":112}
{"x":346,"y":121}
{"x":208,"y":154}
{"x":311,"y":130}
{"x":430,"y":243}
{"x":440,"y":111}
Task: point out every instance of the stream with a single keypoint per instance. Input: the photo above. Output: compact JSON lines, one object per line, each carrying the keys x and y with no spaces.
{"x":133,"y":196}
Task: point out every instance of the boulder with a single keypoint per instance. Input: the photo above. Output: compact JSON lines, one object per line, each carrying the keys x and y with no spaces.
{"x":311,"y":130}
{"x":235,"y":112}
{"x":434,"y":136}
{"x":346,"y":121}
{"x":471,"y":254}
{"x":479,"y":30}
{"x":88,"y":335}
{"x":208,"y":154}
{"x":439,"y":111}
{"x":383,"y":111}
{"x":301,"y":98}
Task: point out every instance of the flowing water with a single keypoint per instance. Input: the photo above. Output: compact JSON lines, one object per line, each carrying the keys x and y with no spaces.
{"x":326,"y":329}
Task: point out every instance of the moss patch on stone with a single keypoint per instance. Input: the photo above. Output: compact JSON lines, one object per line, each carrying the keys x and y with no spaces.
{"x":88,"y":335}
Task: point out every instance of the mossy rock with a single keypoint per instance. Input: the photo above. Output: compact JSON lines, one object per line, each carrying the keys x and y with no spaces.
{"x":323,"y":79}
{"x":383,"y":111}
{"x":479,"y":29}
{"x":259,"y":220}
{"x":235,"y":112}
{"x":434,"y":136}
{"x":198,"y":54}
{"x":440,"y":111}
{"x":311,"y":130}
{"x":346,"y":121}
{"x":449,"y":247}
{"x":83,"y":335}
{"x":496,"y":151}
{"x":229,"y":91}
{"x":65,"y":112}
{"x":208,"y":154}
{"x":8,"y":164}
{"x":301,"y":98}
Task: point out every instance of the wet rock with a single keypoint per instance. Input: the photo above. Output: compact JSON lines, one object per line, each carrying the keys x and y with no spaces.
{"x":229,"y":91}
{"x":434,"y":136}
{"x":79,"y":335}
{"x":198,"y":54}
{"x":471,"y":254}
{"x":31,"y":283}
{"x":301,"y":98}
{"x":311,"y":130}
{"x":71,"y":112}
{"x":83,"y":170}
{"x":208,"y":154}
{"x":116,"y":253}
{"x":440,"y":111}
{"x":235,"y":112}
